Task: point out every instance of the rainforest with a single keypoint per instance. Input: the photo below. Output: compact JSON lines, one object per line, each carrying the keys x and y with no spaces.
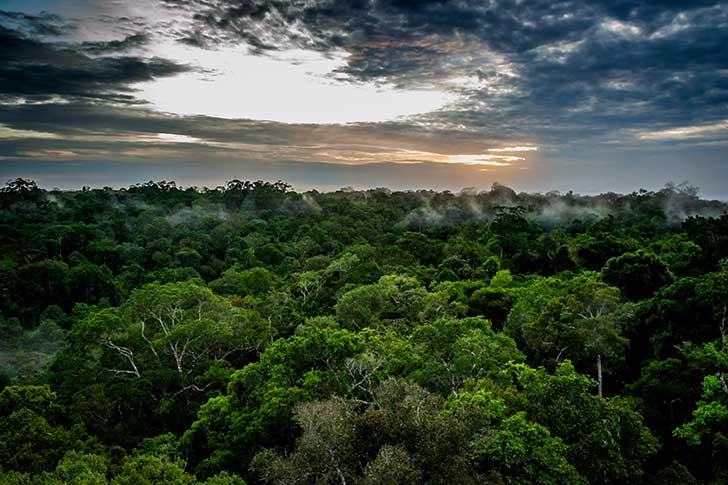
{"x":252,"y":334}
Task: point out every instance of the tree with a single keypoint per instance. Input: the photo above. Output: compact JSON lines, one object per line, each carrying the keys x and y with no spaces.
{"x":152,"y":470}
{"x":603,"y":240}
{"x":258,"y":406}
{"x":344,"y":441}
{"x":77,"y":468}
{"x":492,"y":303}
{"x":606,"y":439}
{"x":525,"y":453}
{"x":20,"y":186}
{"x":710,"y":416}
{"x":421,"y":248}
{"x":638,"y":275}
{"x":584,"y":326}
{"x":453,"y":351}
{"x":392,"y":465}
{"x":31,"y":439}
{"x":361,"y":306}
{"x":514,"y":237}
{"x":162,"y":351}
{"x":325,"y":452}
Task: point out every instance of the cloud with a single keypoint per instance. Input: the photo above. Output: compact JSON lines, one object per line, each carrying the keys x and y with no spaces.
{"x":113,"y":46}
{"x":232,"y":83}
{"x":7,"y":133}
{"x":687,"y":132}
{"x":44,"y":24}
{"x":514,"y":149}
{"x":565,"y":85}
{"x":389,"y":38}
{"x":595,"y":66}
{"x":36,"y":69}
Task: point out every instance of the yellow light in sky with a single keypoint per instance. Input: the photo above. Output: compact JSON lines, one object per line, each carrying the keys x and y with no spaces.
{"x":525,"y":148}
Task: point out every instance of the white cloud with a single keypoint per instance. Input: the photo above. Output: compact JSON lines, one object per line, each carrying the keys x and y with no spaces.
{"x":175,"y":138}
{"x":686,"y":132}
{"x":231,"y":83}
{"x":619,"y":28}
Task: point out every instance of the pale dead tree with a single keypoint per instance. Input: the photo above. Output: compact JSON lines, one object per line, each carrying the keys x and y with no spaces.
{"x":599,"y":373}
{"x":337,"y":467}
{"x":589,"y":313}
{"x":598,"y":328}
{"x":169,"y":324}
{"x":558,"y":356}
{"x":127,"y":354}
{"x":270,"y":328}
{"x":362,"y":372}
{"x":454,"y":384}
{"x":143,"y":323}
{"x":193,"y":387}
{"x":309,"y":283}
{"x":169,"y":317}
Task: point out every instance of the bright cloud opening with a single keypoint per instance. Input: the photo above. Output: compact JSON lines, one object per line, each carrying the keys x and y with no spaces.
{"x":293,"y":87}
{"x":175,"y":138}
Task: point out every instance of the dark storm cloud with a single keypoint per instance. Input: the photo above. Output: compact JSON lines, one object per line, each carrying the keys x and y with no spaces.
{"x":43,"y":24}
{"x":515,"y":25}
{"x":590,"y":65}
{"x":644,"y":10}
{"x":382,"y":32}
{"x":632,"y":80}
{"x":123,"y":45}
{"x":512,"y":25}
{"x":37,"y":69}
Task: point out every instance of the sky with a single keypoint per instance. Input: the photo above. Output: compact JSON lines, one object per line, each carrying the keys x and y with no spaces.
{"x":535,"y":94}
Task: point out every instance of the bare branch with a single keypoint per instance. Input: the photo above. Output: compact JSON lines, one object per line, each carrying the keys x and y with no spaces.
{"x":151,"y":346}
{"x":125,"y":352}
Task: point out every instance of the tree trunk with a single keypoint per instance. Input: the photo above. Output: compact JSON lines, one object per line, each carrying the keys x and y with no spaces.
{"x":599,"y":373}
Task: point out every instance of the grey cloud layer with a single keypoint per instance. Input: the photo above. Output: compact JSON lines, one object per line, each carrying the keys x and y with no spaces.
{"x":597,"y":66}
{"x":570,"y":76}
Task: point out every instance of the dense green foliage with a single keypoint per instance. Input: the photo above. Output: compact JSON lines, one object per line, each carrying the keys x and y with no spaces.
{"x":249,"y":333}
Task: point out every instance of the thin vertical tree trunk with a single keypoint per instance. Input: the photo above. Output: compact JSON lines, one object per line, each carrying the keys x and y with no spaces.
{"x":599,"y":373}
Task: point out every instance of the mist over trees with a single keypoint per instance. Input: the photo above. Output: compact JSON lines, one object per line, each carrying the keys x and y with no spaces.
{"x":251,"y":334}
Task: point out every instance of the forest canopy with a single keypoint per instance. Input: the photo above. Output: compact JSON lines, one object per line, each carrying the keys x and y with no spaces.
{"x":249,"y":333}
